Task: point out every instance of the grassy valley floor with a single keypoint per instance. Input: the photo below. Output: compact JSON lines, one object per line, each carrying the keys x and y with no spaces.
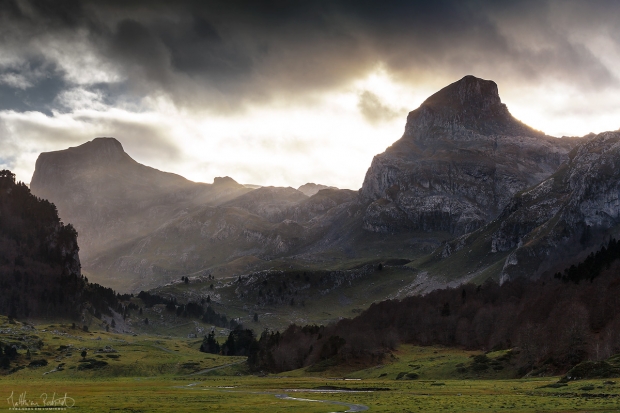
{"x":156,"y":373}
{"x":254,"y":394}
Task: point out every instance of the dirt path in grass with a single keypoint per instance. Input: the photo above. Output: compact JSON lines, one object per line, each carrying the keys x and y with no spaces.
{"x":216,"y":368}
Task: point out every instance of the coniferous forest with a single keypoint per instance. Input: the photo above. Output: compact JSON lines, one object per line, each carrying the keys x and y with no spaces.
{"x":39,"y":265}
{"x":553,"y":323}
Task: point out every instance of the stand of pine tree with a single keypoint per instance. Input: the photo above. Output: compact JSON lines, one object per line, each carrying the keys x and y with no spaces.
{"x":556,"y":322}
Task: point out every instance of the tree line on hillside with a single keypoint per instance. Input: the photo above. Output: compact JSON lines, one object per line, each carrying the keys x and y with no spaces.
{"x":593,"y":265}
{"x":39,"y":264}
{"x":191,"y":309}
{"x":40,"y":269}
{"x":554,"y":323}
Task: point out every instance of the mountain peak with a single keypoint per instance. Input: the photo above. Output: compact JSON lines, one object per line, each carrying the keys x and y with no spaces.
{"x":225,"y":180}
{"x":468,"y":105}
{"x":98,"y":153}
{"x":101,"y":148}
{"x":311,"y":188}
{"x":106,"y":142}
{"x":469,"y":92}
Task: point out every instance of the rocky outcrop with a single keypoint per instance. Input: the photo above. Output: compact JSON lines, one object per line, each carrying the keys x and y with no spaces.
{"x":565,"y":216}
{"x":461,"y":159}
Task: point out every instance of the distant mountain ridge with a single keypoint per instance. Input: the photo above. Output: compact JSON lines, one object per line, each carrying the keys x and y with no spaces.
{"x":140,"y":227}
{"x":446,"y":198}
{"x":110,"y":197}
{"x":311,"y":188}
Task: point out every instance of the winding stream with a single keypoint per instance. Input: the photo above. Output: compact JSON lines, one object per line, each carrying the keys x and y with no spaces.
{"x":352,"y":407}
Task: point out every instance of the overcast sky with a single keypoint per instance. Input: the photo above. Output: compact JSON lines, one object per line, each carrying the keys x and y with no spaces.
{"x":287,"y":92}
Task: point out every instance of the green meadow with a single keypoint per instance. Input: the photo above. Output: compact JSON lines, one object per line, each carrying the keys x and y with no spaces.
{"x":157,"y":373}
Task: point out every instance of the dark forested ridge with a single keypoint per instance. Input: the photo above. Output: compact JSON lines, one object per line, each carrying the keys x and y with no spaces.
{"x":39,"y":263}
{"x":553,"y":323}
{"x":40,"y":273}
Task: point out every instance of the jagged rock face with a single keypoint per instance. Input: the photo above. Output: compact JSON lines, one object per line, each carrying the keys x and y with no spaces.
{"x":461,"y":159}
{"x":109,"y":197}
{"x":573,"y":210}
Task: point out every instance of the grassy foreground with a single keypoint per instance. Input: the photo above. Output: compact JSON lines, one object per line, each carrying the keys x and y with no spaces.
{"x":253,"y":394}
{"x":147,"y":373}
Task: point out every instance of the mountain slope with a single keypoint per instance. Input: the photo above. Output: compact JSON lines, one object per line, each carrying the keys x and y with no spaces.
{"x":461,"y":159}
{"x":567,"y":215}
{"x":550,"y":225}
{"x":239,"y":236}
{"x":109,"y":197}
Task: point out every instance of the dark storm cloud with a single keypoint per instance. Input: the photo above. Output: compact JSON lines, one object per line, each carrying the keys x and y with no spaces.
{"x":373,"y":110}
{"x":224,"y":54}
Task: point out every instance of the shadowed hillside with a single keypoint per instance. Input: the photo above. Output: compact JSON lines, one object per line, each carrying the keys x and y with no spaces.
{"x":40,"y":272}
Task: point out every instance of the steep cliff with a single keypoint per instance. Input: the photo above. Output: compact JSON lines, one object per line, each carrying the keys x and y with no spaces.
{"x":460,"y":160}
{"x":569,"y":214}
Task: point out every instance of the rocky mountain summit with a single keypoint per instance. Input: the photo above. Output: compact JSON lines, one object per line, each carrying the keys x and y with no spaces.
{"x":461,"y":159}
{"x":109,"y":197}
